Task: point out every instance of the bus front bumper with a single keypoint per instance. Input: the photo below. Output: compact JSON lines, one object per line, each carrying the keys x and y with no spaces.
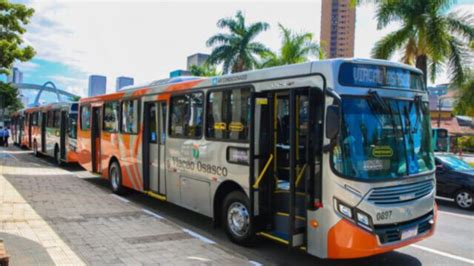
{"x":347,"y":240}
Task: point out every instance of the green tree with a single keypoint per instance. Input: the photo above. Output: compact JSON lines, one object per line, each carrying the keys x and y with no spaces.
{"x":75,"y":98}
{"x":236,"y":49}
{"x":203,"y":71}
{"x":429,"y":37}
{"x":13,"y":18}
{"x":465,"y":96}
{"x":295,"y":48}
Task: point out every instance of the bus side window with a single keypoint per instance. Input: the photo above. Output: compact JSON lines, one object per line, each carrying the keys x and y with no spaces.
{"x":85,"y":117}
{"x":228,"y":114}
{"x":50,"y":119}
{"x":187,"y":115}
{"x":57,"y":119}
{"x":111,"y":121}
{"x":130,"y":117}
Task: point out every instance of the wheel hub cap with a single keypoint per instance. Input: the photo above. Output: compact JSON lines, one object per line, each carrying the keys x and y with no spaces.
{"x":464,"y":199}
{"x":238,"y":218}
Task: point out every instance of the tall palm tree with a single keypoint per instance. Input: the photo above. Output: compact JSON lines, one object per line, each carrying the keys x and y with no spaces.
{"x":295,"y":48}
{"x":428,"y":38}
{"x":236,"y":50}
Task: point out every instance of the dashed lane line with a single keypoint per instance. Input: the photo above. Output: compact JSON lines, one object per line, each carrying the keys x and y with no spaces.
{"x":444,"y":254}
{"x":120,"y":198}
{"x":458,"y":215}
{"x":157,"y":216}
{"x":198,"y":236}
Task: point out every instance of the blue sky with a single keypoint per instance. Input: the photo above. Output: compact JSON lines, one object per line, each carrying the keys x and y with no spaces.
{"x":147,"y":40}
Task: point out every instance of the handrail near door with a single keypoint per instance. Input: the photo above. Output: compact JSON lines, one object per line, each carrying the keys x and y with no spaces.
{"x":262,"y":174}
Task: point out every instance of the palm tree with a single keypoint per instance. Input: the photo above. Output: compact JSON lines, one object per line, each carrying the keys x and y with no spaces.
{"x":428,"y":38}
{"x":295,"y":48}
{"x":236,"y":50}
{"x":203,"y":71}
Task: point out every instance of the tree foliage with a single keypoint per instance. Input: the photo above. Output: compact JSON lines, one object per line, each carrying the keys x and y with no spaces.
{"x":429,"y":37}
{"x":13,"y":18}
{"x":295,"y":48}
{"x":203,"y":71}
{"x":237,"y":49}
{"x":465,"y":96}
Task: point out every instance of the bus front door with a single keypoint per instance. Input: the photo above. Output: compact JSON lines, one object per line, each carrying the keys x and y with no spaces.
{"x":153,"y":147}
{"x":96,"y":140}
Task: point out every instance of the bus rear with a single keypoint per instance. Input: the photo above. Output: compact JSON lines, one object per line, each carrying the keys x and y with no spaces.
{"x":378,"y":183}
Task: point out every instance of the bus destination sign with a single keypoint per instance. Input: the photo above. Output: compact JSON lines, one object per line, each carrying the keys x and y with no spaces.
{"x":376,"y":76}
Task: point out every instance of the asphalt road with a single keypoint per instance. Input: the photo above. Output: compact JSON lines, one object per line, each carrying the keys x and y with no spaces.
{"x":452,"y":244}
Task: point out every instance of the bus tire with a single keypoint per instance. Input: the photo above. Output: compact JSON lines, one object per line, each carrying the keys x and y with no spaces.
{"x":464,"y":199}
{"x":236,"y":219}
{"x":57,"y":156}
{"x":115,"y":178}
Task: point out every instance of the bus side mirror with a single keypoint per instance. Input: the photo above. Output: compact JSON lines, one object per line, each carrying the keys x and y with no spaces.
{"x":333,"y":121}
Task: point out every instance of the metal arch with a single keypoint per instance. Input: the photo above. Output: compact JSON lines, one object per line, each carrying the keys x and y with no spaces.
{"x":41,"y":91}
{"x":44,"y":87}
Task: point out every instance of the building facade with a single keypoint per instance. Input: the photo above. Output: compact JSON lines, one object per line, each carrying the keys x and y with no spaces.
{"x":123,"y":82}
{"x":197,"y":59}
{"x":337,"y":28}
{"x":97,"y":85}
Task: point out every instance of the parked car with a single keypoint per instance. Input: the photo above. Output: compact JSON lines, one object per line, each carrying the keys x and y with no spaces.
{"x":455,"y":179}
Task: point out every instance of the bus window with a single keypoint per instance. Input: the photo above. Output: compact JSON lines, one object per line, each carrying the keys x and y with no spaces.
{"x":228,"y":114}
{"x":57,"y":118}
{"x":186,"y":115}
{"x":85,"y":117}
{"x":152,"y":122}
{"x":50,"y":122}
{"x":130,"y":117}
{"x":34,"y":118}
{"x":72,"y":126}
{"x":111,"y":111}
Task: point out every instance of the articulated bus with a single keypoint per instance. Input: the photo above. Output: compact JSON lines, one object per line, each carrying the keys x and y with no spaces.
{"x":50,"y":130}
{"x":332,"y":157}
{"x":17,"y":120}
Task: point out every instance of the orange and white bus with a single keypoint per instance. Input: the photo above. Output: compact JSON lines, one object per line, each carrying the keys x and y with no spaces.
{"x":51,"y":130}
{"x":333,"y":157}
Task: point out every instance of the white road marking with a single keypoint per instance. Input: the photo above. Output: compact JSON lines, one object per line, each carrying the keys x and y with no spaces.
{"x":153,"y":214}
{"x":458,"y":215}
{"x":444,"y":254}
{"x":11,"y":155}
{"x":198,"y":236}
{"x":252,"y":262}
{"x":120,"y":198}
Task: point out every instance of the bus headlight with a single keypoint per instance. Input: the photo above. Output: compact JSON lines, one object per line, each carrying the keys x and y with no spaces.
{"x":344,"y":209}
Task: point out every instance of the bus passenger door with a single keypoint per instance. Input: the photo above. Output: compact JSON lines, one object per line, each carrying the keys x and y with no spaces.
{"x":63,"y":132}
{"x":96,"y":139}
{"x":43,"y":131}
{"x":161,"y":145}
{"x":150,"y":148}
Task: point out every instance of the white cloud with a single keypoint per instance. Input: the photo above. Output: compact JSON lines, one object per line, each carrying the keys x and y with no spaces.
{"x":147,"y":40}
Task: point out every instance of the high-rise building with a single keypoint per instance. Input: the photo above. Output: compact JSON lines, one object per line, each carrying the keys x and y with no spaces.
{"x":337,"y":28}
{"x":97,"y":85}
{"x":123,"y":82}
{"x":16,"y":76}
{"x":197,"y":59}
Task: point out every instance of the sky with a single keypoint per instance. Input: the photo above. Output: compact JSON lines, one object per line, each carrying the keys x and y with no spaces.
{"x":148,"y":39}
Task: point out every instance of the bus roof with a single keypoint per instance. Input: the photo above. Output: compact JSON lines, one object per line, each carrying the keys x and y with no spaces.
{"x":279,"y":72}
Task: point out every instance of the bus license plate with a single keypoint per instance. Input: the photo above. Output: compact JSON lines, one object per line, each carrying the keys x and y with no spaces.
{"x":409,"y":233}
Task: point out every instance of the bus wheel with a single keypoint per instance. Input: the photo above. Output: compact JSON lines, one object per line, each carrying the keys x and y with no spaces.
{"x":464,"y":199}
{"x":57,"y":156}
{"x":115,"y":178}
{"x":236,"y":218}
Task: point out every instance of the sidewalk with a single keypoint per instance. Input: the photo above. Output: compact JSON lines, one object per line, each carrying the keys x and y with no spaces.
{"x":48,"y":216}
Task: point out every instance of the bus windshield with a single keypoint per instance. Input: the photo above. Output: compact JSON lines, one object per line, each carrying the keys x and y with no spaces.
{"x":383,"y":139}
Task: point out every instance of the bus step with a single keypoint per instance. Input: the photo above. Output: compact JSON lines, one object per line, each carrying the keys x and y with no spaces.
{"x":281,"y":221}
{"x":281,"y":237}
